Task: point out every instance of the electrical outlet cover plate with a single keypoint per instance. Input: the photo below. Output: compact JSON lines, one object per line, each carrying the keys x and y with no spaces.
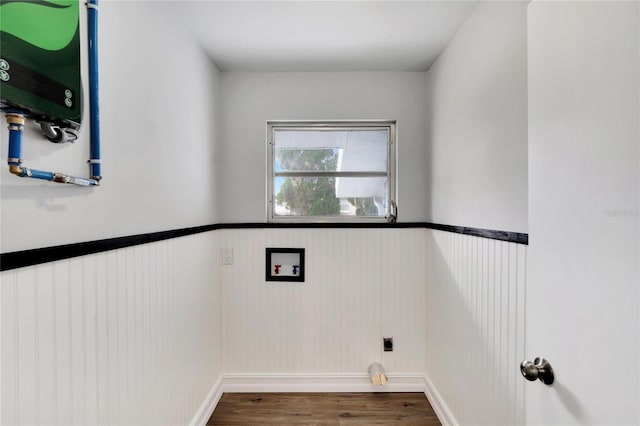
{"x":387,"y":344}
{"x":227,"y":256}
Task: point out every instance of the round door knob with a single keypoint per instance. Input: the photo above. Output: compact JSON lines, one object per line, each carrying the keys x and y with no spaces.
{"x":538,"y":369}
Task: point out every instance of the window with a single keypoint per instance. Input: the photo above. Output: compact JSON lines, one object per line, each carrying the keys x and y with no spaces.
{"x":331,"y":171}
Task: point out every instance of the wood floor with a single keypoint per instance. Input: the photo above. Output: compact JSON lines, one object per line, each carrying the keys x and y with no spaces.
{"x":323,"y":409}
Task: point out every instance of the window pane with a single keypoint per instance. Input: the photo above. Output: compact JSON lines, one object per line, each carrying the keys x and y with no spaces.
{"x":306,"y":160}
{"x":328,"y":196}
{"x":331,"y":150}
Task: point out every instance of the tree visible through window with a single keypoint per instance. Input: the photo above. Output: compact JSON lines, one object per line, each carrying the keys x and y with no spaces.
{"x":308,"y":196}
{"x":330,"y":171}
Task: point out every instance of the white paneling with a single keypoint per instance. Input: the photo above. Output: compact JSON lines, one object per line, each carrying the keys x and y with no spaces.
{"x":361,"y":285}
{"x":122,"y":337}
{"x":143,"y":334}
{"x":475,"y":326}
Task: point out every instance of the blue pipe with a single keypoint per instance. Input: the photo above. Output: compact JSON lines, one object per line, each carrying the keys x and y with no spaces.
{"x":15,"y":141}
{"x":16,"y":121}
{"x":38,"y":174}
{"x":94,"y":104}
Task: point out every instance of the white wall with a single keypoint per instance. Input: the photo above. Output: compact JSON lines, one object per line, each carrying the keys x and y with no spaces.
{"x":361,"y":285}
{"x":130,"y":336}
{"x":477,"y":123}
{"x":250,"y":99}
{"x":159,"y":107}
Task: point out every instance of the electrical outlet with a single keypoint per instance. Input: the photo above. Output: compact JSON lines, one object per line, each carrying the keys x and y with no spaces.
{"x":387,"y":344}
{"x":227,"y":256}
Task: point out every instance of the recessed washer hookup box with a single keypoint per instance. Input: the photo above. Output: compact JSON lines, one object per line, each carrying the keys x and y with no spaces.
{"x":40,"y":59}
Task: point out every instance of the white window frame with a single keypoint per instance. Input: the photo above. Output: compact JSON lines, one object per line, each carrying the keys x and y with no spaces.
{"x":272,"y":125}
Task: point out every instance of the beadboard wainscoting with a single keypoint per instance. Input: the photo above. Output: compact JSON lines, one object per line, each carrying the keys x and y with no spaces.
{"x":154,"y":333}
{"x":475,"y":328}
{"x":361,"y":285}
{"x":128,"y":336}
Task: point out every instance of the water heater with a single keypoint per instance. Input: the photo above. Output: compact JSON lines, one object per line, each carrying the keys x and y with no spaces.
{"x":40,"y":59}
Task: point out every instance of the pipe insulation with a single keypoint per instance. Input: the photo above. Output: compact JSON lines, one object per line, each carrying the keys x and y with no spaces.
{"x":377,"y":375}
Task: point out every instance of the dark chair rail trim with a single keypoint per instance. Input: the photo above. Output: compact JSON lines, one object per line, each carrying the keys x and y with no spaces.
{"x":20,"y":259}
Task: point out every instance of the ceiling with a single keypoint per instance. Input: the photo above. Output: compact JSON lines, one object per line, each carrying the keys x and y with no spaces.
{"x":323,"y":35}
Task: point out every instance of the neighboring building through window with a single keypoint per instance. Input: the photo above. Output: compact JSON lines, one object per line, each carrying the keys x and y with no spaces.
{"x":331,"y":171}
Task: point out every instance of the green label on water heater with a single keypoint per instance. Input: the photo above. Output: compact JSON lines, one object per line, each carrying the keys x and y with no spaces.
{"x":40,"y":58}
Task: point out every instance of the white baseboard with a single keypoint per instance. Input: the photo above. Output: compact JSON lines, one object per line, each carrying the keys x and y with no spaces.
{"x":437,"y":403}
{"x":320,"y":383}
{"x":209,"y":404}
